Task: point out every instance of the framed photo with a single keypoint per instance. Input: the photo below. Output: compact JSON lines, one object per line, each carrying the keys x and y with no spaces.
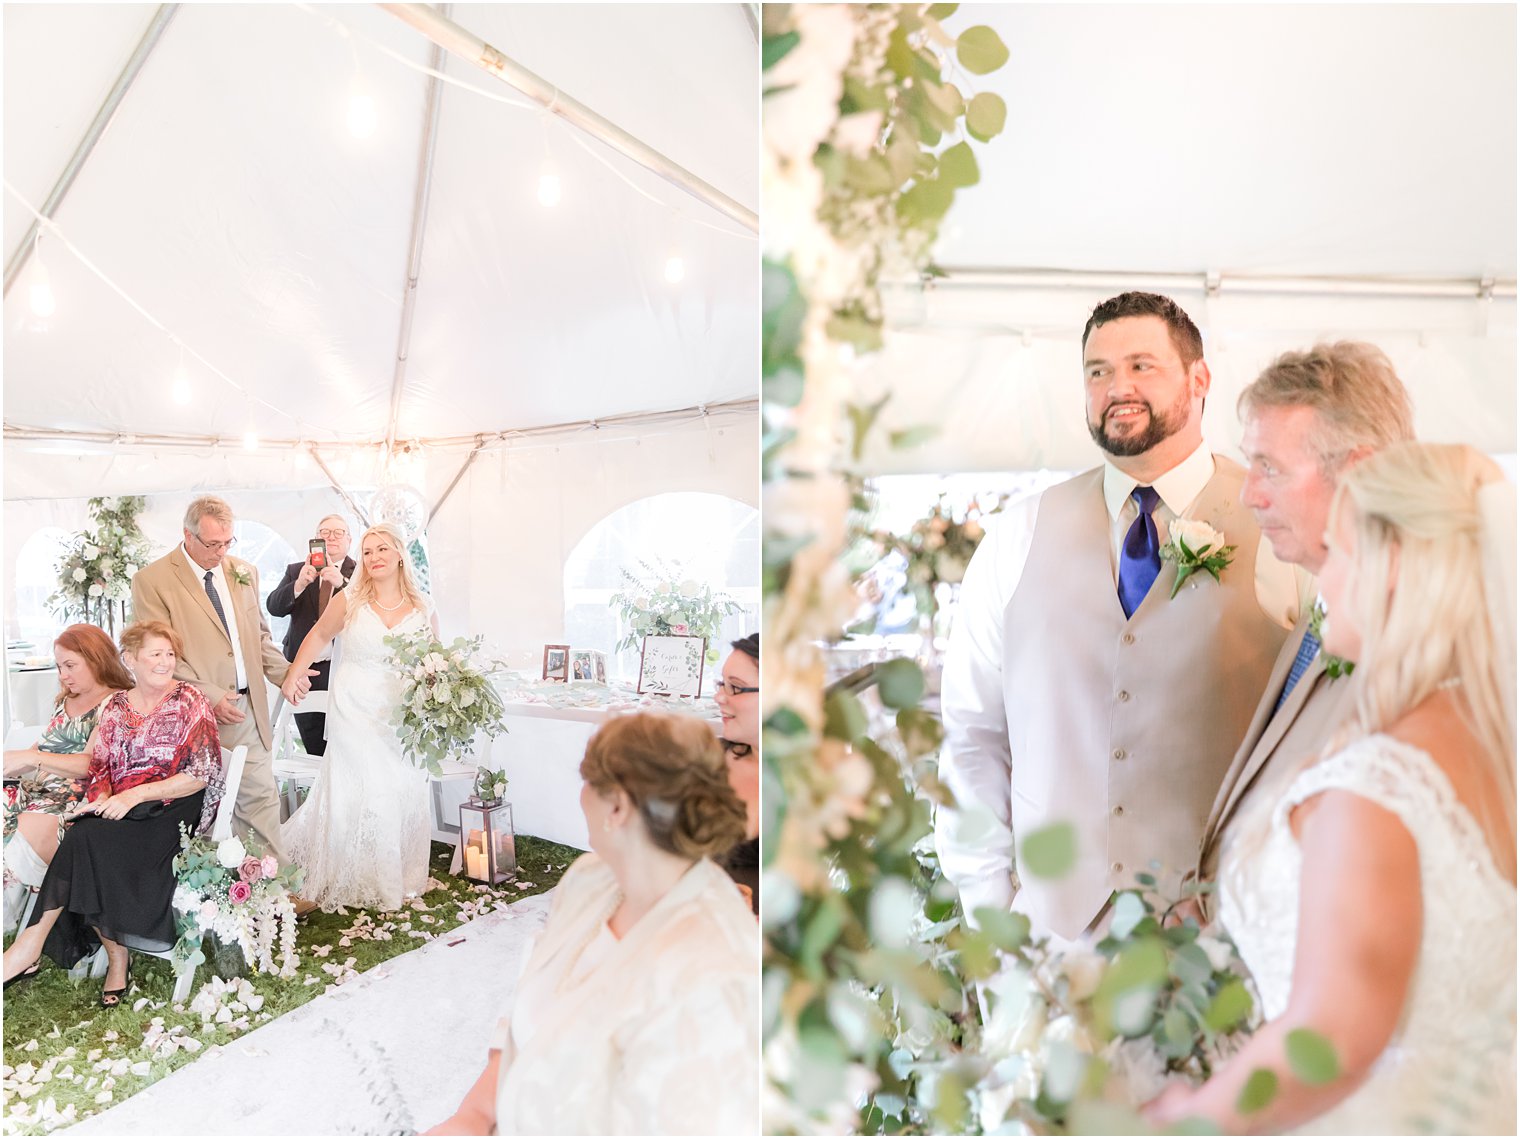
{"x":557,"y":663}
{"x":588,"y":665}
{"x":672,"y":666}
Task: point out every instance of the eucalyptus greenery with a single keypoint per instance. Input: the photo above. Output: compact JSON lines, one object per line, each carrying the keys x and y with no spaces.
{"x":95,"y":574}
{"x":447,"y":698}
{"x":663,"y":603}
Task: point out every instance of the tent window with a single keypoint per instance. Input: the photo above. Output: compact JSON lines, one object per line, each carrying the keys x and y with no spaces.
{"x":270,"y":554}
{"x":711,"y":539}
{"x":36,"y":579}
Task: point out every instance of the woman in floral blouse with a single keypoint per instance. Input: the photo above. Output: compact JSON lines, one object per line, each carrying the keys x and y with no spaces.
{"x":42,"y":782}
{"x":155,"y":763}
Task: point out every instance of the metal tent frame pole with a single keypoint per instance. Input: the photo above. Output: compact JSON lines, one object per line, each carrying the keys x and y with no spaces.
{"x":470,"y":47}
{"x":23,"y":252}
{"x":1214,"y":284}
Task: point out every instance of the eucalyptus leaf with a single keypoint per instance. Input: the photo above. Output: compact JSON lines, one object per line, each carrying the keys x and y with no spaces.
{"x":941,"y":11}
{"x":1312,"y":1057}
{"x":980,"y":50}
{"x":986,"y":116}
{"x":1128,"y":912}
{"x":900,"y":683}
{"x":957,"y":166}
{"x":844,"y":717}
{"x":1260,"y":1089}
{"x":1006,"y":930}
{"x":1230,"y":1006}
{"x":775,"y":48}
{"x":1049,"y":852}
{"x":913,"y":436}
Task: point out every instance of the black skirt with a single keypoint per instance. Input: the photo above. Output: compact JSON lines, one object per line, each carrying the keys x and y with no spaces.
{"x":115,"y":878}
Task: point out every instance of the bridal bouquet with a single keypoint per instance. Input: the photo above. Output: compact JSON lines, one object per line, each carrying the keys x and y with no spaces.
{"x":1083,"y":1036}
{"x":242,"y":897}
{"x":447,"y":698}
{"x":665,"y":607}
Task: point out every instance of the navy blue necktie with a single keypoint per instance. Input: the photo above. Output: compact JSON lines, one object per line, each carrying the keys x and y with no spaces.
{"x":1140,"y":556}
{"x":216,"y":603}
{"x":1307,"y":650}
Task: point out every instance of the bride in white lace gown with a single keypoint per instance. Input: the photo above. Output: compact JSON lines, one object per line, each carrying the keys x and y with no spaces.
{"x":1375,"y":902}
{"x":363,"y":834}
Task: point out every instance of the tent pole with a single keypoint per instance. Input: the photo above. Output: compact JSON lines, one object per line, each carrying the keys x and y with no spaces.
{"x":419,"y":228}
{"x":473,"y":49}
{"x":465,"y":466}
{"x":23,"y":252}
{"x":1215,"y":283}
{"x":337,"y":486}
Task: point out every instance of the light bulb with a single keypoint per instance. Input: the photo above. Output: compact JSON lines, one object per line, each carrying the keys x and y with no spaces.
{"x":675,"y":270}
{"x":250,"y":440}
{"x":548,"y":189}
{"x":180,"y":389}
{"x":44,"y":304}
{"x":362,"y":119}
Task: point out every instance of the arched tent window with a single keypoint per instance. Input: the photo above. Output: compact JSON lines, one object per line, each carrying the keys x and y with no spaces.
{"x":270,"y":554}
{"x":711,"y":538}
{"x":36,"y":579}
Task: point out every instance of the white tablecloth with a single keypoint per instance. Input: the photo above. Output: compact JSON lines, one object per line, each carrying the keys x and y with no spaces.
{"x":541,"y":753}
{"x":30,"y":694}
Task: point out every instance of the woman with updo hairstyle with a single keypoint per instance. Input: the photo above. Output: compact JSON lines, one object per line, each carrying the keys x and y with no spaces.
{"x":638,"y":1012}
{"x":1374,"y":901}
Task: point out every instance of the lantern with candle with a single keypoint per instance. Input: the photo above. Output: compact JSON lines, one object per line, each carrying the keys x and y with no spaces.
{"x":490,"y":847}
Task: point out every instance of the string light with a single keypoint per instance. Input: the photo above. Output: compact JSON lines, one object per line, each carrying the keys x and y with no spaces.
{"x":675,"y":270}
{"x":250,"y":440}
{"x":548,"y":188}
{"x":362,"y":119}
{"x":180,"y":389}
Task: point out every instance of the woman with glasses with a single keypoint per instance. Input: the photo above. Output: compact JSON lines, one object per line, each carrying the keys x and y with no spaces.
{"x":738,"y":699}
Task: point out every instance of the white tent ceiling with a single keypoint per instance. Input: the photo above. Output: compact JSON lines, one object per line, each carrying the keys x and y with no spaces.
{"x":236,"y":215}
{"x":1351,"y":148}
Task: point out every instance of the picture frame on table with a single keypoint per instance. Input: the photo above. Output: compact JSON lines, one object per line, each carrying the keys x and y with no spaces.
{"x":672,"y":666}
{"x":588,"y":666}
{"x":557,"y":663}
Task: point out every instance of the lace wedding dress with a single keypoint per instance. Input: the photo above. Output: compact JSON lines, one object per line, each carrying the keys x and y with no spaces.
{"x":1450,"y":1067}
{"x":363,"y":834}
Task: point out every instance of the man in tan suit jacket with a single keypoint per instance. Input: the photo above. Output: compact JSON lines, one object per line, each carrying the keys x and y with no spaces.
{"x":1308,"y":417}
{"x":212,"y":602}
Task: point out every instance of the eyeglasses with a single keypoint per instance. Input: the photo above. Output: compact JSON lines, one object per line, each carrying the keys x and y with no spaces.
{"x":732,"y":689}
{"x":214,"y":547}
{"x":329,"y":534}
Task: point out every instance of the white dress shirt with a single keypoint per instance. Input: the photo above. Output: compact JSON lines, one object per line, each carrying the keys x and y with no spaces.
{"x":224,"y":593}
{"x":971,"y":691}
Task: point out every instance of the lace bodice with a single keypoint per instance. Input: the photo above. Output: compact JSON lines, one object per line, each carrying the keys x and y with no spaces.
{"x":1450,"y":1068}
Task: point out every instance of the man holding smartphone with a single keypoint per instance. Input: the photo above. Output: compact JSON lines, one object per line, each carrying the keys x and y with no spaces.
{"x":304,"y":591}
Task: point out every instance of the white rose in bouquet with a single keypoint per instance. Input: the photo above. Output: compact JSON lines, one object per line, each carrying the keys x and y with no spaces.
{"x":96,"y":589}
{"x":1201,"y":538}
{"x":207,"y":913}
{"x":79,"y":575}
{"x":230,"y":852}
{"x":689,"y":588}
{"x":467,"y":697}
{"x":92,"y":552}
{"x":442,"y":693}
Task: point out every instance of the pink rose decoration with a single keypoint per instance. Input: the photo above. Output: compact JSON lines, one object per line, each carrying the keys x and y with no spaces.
{"x":251,"y":870}
{"x":271,"y":866}
{"x":679,"y":630}
{"x":239,"y":892}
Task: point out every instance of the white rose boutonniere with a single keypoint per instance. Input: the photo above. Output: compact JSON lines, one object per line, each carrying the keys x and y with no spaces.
{"x":239,"y":574}
{"x":1195,"y":546}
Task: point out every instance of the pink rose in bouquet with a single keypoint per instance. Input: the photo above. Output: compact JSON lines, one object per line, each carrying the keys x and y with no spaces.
{"x":680,"y":630}
{"x":239,"y":892}
{"x":271,"y":866}
{"x":251,"y":870}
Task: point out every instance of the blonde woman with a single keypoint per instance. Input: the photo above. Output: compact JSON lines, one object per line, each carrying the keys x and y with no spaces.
{"x":638,"y":1010}
{"x":1375,"y":901}
{"x":362,"y":835}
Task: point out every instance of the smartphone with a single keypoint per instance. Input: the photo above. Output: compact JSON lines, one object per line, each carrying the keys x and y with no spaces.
{"x":316,"y":553}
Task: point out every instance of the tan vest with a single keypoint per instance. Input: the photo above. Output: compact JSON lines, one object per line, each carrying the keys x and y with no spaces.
{"x":1125,"y":728}
{"x":1276,"y":747}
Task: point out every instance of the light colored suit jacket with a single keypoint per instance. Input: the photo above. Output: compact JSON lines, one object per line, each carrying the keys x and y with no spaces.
{"x":172,"y":590}
{"x":1277,"y":744}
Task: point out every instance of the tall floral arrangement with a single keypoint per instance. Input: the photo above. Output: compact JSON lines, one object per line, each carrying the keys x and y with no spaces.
{"x":95,"y":573}
{"x":662,"y":603}
{"x":868,"y":115}
{"x":937,"y":549}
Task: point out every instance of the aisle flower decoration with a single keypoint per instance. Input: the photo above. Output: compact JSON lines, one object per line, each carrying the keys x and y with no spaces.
{"x":238,"y":894}
{"x":661,"y":603}
{"x":867,"y":141}
{"x":447,"y":698}
{"x":95,"y":574}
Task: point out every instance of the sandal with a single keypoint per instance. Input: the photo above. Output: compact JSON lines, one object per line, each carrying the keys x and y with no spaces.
{"x":25,"y":974}
{"x":110,"y":998}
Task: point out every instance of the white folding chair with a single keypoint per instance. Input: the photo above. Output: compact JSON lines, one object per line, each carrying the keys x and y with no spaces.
{"x":19,"y":738}
{"x":294,"y":769}
{"x":233,"y":763}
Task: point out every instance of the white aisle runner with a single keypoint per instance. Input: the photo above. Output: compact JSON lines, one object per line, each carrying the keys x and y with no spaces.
{"x":384,"y":1054}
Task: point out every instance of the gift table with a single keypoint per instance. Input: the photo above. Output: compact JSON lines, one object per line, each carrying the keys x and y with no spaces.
{"x":547,"y":729}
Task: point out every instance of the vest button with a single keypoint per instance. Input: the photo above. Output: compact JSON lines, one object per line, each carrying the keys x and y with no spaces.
{"x":1123,"y":696}
{"x":1118,"y":811}
{"x":1128,"y":638}
{"x":1120,"y":753}
{"x":1118,"y":868}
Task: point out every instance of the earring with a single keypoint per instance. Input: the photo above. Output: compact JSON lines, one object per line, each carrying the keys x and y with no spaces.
{"x":606,"y":826}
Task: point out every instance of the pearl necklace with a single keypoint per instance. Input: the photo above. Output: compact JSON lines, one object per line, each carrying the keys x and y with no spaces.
{"x":390,"y":608}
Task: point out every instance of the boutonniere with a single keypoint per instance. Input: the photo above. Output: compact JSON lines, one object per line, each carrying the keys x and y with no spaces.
{"x":1195,"y":546}
{"x":1334,"y":666}
{"x":239,"y":574}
